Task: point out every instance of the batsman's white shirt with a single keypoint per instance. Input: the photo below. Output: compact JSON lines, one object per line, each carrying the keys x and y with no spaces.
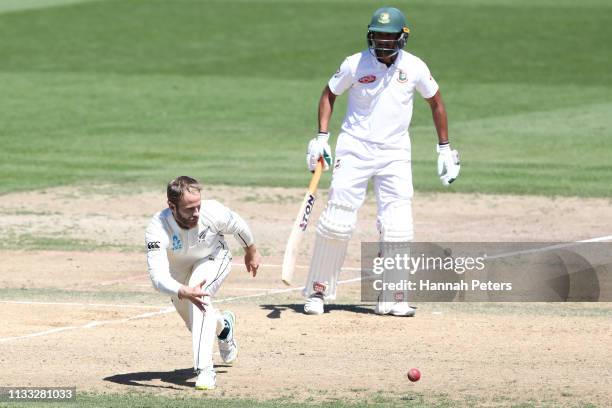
{"x":173,"y":251}
{"x":380,"y":98}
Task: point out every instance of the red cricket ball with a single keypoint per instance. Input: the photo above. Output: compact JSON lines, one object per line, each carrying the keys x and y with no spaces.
{"x":414,"y":374}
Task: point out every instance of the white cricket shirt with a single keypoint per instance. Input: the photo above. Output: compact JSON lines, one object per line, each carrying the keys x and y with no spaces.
{"x":380,"y":99}
{"x":171,"y":250}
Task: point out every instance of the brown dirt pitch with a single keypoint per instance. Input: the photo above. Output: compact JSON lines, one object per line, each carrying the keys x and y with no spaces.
{"x":77,"y":307}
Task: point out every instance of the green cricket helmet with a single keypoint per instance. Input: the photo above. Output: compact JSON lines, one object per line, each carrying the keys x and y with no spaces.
{"x":387,"y":20}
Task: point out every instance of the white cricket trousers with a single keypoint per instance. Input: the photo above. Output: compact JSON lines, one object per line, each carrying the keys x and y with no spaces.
{"x":389,"y":168}
{"x":203,"y":326}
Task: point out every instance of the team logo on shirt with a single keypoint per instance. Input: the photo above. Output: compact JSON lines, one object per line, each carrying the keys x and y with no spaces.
{"x":153,"y":245}
{"x":337,"y":165}
{"x":368,"y":79}
{"x":176,"y":243}
{"x":402,"y":77}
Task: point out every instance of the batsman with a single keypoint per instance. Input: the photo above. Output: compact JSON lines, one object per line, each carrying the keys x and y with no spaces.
{"x":374,"y":143}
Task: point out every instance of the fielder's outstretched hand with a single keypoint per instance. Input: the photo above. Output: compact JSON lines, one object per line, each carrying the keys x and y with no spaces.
{"x":252,"y":259}
{"x":195,"y":295}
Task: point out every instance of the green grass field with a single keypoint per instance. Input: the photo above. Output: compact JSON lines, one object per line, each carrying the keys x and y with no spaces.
{"x":142,"y":90}
{"x":137,"y":92}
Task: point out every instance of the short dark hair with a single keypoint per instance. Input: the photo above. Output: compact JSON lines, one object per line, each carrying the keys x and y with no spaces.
{"x":177,"y":188}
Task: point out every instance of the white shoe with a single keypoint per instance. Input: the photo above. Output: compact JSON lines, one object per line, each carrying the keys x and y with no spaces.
{"x":314,"y":304}
{"x":228,"y":347}
{"x":395,"y":309}
{"x":206,"y":379}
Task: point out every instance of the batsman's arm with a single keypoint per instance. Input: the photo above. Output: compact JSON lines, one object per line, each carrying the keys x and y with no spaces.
{"x":326,"y":108}
{"x":448,"y":159}
{"x":438,"y":112}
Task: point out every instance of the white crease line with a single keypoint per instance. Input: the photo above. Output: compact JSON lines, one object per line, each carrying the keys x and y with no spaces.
{"x":143,"y":275}
{"x":89,"y":325}
{"x":358,"y":269}
{"x":128,"y":306}
{"x":254,"y":289}
{"x":170,"y":309}
{"x":167,"y":310}
{"x":344,"y":268}
{"x":599,"y":239}
{"x":277,"y":291}
{"x":556,"y":246}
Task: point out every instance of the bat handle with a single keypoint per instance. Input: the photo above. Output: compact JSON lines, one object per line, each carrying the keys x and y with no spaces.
{"x":316,"y":176}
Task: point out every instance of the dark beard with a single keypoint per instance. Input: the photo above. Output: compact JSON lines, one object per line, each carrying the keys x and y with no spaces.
{"x":182,"y":222}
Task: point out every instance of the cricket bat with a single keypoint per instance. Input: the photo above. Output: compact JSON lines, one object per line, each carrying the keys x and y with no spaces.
{"x":299,"y":226}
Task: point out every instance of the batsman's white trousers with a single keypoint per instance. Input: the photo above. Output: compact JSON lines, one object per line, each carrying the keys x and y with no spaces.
{"x":203,"y":326}
{"x":389,"y":168}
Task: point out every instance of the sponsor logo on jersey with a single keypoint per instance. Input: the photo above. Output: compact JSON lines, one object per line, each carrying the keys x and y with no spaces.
{"x":384,"y":18}
{"x":153,"y":245}
{"x":307,"y":211}
{"x":319,"y":287}
{"x":176,"y":243}
{"x":402,"y":77}
{"x":368,"y":79}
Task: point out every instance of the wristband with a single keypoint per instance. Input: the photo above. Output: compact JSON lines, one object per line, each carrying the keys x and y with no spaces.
{"x":443,"y":147}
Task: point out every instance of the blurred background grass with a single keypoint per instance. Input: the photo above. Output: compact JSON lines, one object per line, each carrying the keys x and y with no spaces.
{"x":140,"y":91}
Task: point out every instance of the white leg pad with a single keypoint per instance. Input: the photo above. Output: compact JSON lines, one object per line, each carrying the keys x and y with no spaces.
{"x":334,"y":230}
{"x":395,"y":223}
{"x":325,"y":266}
{"x":396,"y":231}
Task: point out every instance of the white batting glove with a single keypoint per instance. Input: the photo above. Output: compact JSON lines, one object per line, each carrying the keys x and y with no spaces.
{"x":319,"y":147}
{"x":448,"y":164}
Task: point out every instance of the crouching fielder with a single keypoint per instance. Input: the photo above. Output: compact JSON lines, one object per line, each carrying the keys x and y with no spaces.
{"x":374,"y":143}
{"x":188,"y":259}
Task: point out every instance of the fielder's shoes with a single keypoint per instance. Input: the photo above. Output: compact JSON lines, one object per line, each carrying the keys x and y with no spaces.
{"x":206,"y":379}
{"x":314,"y":304}
{"x":228,"y":348}
{"x":394,"y":308}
